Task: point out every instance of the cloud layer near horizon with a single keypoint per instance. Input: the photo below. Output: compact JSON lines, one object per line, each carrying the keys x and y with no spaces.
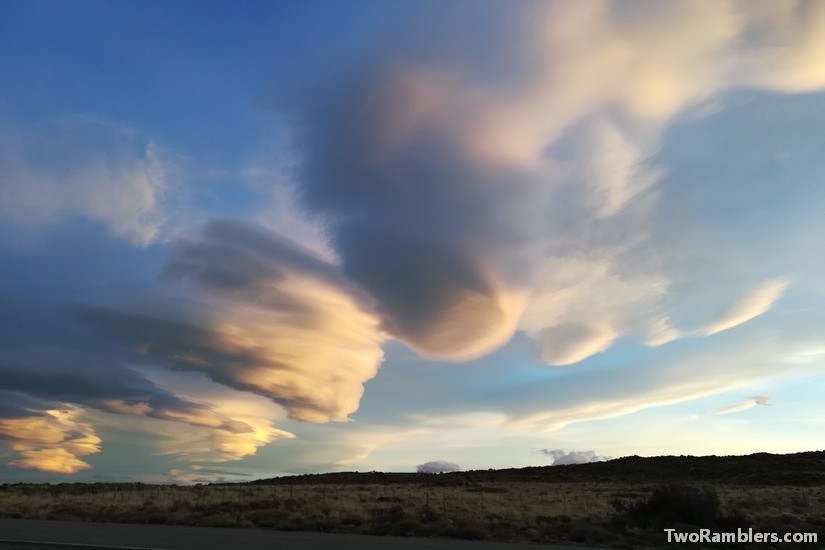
{"x":46,"y":437}
{"x":561,"y":457}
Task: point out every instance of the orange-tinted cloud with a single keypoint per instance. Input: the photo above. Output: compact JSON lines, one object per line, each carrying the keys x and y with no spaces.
{"x":235,"y":424}
{"x":51,"y":441}
{"x":269,"y":317}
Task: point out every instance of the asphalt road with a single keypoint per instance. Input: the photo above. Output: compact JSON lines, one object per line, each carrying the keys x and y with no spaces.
{"x":24,"y":534}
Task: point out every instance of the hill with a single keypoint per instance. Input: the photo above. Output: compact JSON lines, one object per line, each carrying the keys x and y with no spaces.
{"x":798,"y":469}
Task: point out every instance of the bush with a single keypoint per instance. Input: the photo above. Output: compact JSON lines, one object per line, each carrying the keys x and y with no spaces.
{"x":669,"y":505}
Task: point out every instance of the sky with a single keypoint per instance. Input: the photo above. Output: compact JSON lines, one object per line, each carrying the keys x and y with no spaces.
{"x":292,"y":237}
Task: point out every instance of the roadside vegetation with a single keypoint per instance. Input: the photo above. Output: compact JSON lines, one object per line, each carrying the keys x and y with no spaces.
{"x":469,"y":505}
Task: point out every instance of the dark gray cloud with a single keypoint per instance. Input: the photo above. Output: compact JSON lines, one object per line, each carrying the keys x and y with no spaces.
{"x":64,"y":375}
{"x":177,"y":340}
{"x":50,"y":357}
{"x":235,"y":255}
{"x":264,"y":315}
{"x":437,"y":235}
{"x":17,"y":405}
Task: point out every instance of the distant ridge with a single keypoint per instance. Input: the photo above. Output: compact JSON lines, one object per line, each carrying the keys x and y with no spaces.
{"x":800,"y":469}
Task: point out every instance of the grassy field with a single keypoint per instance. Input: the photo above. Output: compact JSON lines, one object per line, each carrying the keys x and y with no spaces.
{"x":530,"y":511}
{"x":600,"y":512}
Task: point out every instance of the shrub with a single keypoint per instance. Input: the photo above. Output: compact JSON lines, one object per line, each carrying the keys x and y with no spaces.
{"x":669,"y":505}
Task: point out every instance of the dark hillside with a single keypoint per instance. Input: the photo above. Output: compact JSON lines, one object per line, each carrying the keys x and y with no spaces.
{"x":799,"y":469}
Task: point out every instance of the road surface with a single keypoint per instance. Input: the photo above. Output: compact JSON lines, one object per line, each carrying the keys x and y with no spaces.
{"x":26,"y":534}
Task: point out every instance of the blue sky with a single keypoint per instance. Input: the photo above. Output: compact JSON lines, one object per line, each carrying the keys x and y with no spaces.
{"x":317,"y":236}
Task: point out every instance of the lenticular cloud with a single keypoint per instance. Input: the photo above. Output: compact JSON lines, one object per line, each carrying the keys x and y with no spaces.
{"x":264,"y":316}
{"x":458,"y":178}
{"x":492,"y":169}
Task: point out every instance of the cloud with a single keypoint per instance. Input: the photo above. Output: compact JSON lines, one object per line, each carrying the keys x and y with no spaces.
{"x":437,"y":467}
{"x":609,"y":165}
{"x":266,"y":317}
{"x":753,"y":304}
{"x":795,"y":29}
{"x":561,"y":457}
{"x":660,"y":332}
{"x":100,"y":381}
{"x":453,"y":181}
{"x":280,"y":209}
{"x":50,"y":440}
{"x":195,"y":425}
{"x":569,"y":343}
{"x":742,"y":359}
{"x":388,"y":444}
{"x":580,"y":306}
{"x":218,"y":471}
{"x":744,"y":405}
{"x":174,"y":474}
{"x":97,"y":170}
{"x":17,"y":405}
{"x":414,"y":219}
{"x":514,"y":175}
{"x":210,"y":444}
{"x":201,"y":475}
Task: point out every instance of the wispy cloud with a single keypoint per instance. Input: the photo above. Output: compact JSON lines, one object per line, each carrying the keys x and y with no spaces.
{"x":98,"y":171}
{"x":707,"y":370}
{"x":753,"y":304}
{"x":744,"y":405}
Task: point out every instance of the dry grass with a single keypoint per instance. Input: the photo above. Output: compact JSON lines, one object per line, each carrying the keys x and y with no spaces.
{"x":530,"y":511}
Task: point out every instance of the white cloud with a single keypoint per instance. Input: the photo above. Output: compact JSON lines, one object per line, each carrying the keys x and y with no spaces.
{"x":580,"y":306}
{"x":111,"y":178}
{"x":570,"y":343}
{"x":612,"y":166}
{"x":744,"y":405}
{"x":729,"y":364}
{"x":561,"y":457}
{"x":659,"y":333}
{"x":753,"y":304}
{"x":603,"y":80}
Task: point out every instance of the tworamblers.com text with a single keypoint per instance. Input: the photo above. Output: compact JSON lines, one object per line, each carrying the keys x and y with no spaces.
{"x":740,"y":535}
